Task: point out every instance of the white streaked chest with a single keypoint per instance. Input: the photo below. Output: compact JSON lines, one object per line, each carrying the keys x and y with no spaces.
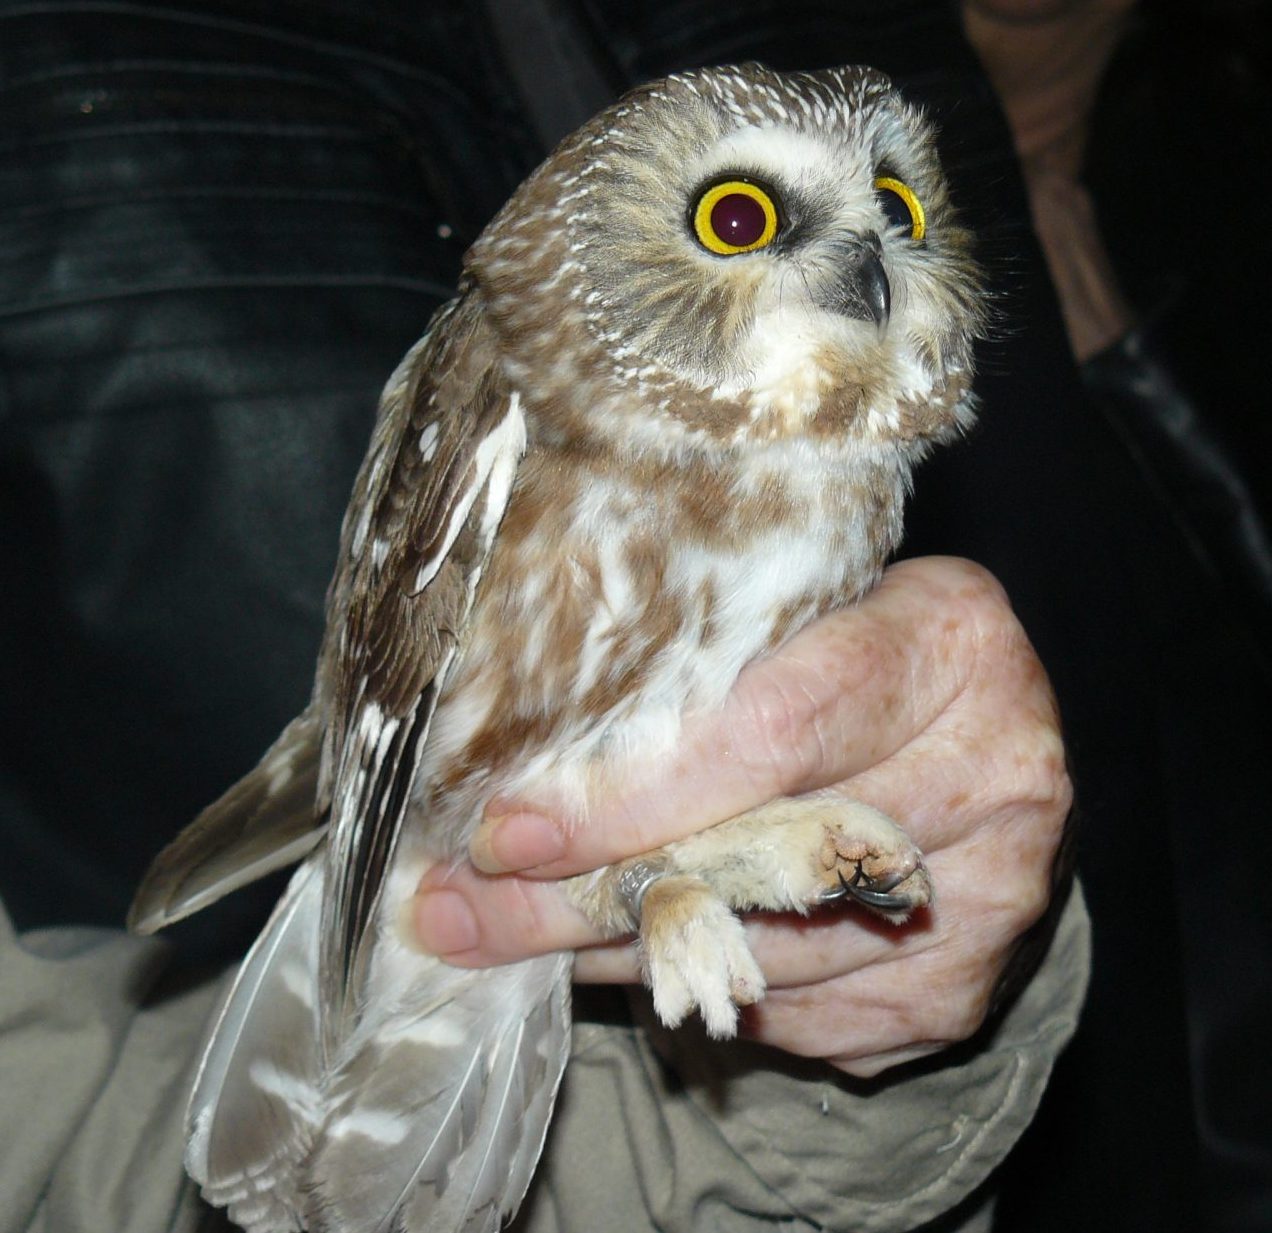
{"x":618,"y":650}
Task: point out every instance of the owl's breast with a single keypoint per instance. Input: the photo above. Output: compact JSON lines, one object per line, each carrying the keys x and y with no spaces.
{"x":619,"y":600}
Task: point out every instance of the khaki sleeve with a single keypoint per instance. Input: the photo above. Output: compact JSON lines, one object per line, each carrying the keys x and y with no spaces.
{"x":680,"y":1133}
{"x":95,"y":1066}
{"x":655,"y":1130}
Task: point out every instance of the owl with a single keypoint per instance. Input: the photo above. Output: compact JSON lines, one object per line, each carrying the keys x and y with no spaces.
{"x":669,"y":419}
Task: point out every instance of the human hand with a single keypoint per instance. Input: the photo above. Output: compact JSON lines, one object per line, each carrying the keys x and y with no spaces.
{"x":925,"y":701}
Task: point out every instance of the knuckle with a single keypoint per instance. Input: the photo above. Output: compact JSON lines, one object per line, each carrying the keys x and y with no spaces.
{"x":1022,"y":899}
{"x":957,"y":1014}
{"x":984,"y":641}
{"x":516,"y":923}
{"x":1034,"y":901}
{"x":986,"y":612}
{"x":951,"y":1012}
{"x":981,"y":589}
{"x":1042,"y":778}
{"x":969,"y":1015}
{"x":870,"y":1066}
{"x":1021,"y":734}
{"x":975,"y":596}
{"x":780,"y":731}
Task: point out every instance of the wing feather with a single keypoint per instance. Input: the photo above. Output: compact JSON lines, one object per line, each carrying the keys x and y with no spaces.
{"x":453,"y":1148}
{"x":425,"y":510}
{"x":264,"y":822}
{"x":256,"y":1099}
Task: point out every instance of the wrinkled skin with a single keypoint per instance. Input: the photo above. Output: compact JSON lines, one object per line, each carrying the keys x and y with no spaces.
{"x":926,"y":701}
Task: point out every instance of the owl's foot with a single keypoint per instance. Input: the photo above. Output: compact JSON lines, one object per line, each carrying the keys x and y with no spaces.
{"x":790,"y":855}
{"x":693,"y":949}
{"x":868,"y":859}
{"x":892,"y":893}
{"x":798,"y":854}
{"x":695,"y":955}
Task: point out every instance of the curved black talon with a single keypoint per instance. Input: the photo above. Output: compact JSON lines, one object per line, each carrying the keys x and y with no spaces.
{"x":881,"y":899}
{"x":873,"y":892}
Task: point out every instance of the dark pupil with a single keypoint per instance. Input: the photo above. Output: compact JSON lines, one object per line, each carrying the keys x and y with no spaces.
{"x":895,"y":208}
{"x":738,"y":219}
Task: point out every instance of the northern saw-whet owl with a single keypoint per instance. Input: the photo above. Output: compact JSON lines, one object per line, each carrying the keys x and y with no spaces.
{"x":669,"y":419}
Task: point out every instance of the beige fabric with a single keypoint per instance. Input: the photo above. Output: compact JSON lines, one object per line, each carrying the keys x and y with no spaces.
{"x":96,"y":1057}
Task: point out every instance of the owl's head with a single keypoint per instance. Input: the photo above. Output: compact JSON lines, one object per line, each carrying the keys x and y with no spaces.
{"x":735,"y":254}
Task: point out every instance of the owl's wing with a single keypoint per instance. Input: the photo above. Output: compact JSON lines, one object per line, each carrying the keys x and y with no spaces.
{"x":420,"y":523}
{"x":264,"y":822}
{"x":419,"y":529}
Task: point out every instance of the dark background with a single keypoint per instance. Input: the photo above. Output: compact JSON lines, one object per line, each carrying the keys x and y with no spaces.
{"x":220,"y":226}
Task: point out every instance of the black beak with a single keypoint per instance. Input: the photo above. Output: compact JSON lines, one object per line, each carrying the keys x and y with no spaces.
{"x":861,"y":290}
{"x":867,"y":283}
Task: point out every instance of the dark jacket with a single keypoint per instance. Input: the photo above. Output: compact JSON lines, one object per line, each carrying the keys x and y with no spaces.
{"x":221,"y":224}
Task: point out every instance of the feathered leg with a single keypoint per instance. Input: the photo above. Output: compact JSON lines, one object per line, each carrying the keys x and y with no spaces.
{"x":792,"y":854}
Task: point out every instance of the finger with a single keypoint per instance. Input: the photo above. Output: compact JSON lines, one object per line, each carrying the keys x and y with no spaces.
{"x":994,"y":756}
{"x":845,"y":693}
{"x":883,"y":1030}
{"x":610,"y":963}
{"x":936,"y":986}
{"x":996,"y":868}
{"x":880,"y":1015}
{"x":987,"y":900}
{"x":842,"y":985}
{"x":473,"y":920}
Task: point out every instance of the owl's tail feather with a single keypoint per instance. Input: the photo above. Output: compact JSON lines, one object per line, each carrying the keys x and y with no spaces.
{"x":264,"y":822}
{"x":437,"y":1119}
{"x":432,"y":1116}
{"x":257,"y":1100}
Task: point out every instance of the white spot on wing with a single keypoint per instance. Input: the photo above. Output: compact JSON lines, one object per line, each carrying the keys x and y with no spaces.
{"x":376,"y":1124}
{"x":296,"y":981}
{"x":428,"y":442}
{"x":361,"y":528}
{"x":441,"y":1031}
{"x":495,"y":461}
{"x":277,"y":1082}
{"x":280,"y":774}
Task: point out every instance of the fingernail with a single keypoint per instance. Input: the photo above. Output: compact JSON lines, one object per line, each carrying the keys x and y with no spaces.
{"x":444,"y":923}
{"x":515,"y":841}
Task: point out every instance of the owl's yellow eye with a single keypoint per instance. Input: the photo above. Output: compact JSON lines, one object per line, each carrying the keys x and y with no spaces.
{"x":735,"y":216}
{"x":903,"y":208}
